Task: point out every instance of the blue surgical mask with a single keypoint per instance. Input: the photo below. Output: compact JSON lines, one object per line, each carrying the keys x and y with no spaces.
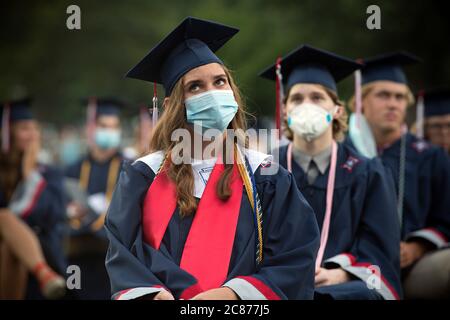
{"x":212,"y":109}
{"x":362,"y":136}
{"x":70,"y":151}
{"x":107,"y":138}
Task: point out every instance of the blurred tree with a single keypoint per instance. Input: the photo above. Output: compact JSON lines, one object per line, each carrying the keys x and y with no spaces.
{"x":41,"y":57}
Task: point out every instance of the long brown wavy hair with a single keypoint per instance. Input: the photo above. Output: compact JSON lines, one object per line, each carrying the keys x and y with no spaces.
{"x":11,"y":169}
{"x":174,"y":117}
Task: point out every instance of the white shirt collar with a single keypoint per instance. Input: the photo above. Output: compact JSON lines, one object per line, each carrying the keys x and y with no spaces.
{"x":203,"y":168}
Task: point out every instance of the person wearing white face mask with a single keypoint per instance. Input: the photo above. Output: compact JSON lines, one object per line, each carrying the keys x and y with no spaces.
{"x":358,"y":256}
{"x":96,"y":175}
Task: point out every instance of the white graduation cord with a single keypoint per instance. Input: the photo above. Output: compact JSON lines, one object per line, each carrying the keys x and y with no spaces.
{"x":401,"y":179}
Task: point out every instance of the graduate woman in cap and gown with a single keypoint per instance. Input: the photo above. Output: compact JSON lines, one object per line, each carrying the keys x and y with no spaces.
{"x":420,"y":170}
{"x":206,"y":228}
{"x":31,"y":211}
{"x":352,"y":197}
{"x":96,"y":175}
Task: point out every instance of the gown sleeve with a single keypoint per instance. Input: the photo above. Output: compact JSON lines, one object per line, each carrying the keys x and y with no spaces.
{"x":374,"y":256}
{"x":39,"y":199}
{"x":437,"y":228}
{"x":136,"y":269}
{"x":291,"y":241}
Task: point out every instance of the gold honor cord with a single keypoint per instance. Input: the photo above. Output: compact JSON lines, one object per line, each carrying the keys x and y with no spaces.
{"x":245,"y":174}
{"x":113,"y":171}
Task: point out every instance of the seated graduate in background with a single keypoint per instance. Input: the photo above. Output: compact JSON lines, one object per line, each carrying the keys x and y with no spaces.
{"x":221,"y":225}
{"x":420,"y":170}
{"x":96,"y":174}
{"x":352,"y":197}
{"x":31,"y":211}
{"x":436,"y":103}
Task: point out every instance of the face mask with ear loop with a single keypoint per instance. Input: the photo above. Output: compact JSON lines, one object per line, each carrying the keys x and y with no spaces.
{"x":309,"y":120}
{"x":361,"y":135}
{"x":213,"y":109}
{"x":359,"y":130}
{"x":107,"y":138}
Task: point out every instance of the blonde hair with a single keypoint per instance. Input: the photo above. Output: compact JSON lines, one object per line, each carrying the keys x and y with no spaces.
{"x":339,"y":124}
{"x":173,"y":117}
{"x":368,"y":88}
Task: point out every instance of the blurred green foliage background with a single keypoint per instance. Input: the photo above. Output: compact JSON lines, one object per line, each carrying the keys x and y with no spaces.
{"x":40,"y":57}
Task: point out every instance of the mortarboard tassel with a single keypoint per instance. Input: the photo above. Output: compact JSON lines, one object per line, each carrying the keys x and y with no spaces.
{"x":155,"y":105}
{"x":90,"y":119}
{"x":144,"y":124}
{"x":5,"y":127}
{"x":279,"y":91}
{"x":358,"y":98}
{"x":420,"y":110}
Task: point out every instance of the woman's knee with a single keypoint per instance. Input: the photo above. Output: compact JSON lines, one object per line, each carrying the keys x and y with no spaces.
{"x":430,"y":277}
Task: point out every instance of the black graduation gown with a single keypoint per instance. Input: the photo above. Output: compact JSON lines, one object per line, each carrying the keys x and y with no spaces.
{"x":98,"y":179}
{"x":426,"y":208}
{"x":88,"y":247}
{"x":363,"y":227}
{"x":290,"y":243}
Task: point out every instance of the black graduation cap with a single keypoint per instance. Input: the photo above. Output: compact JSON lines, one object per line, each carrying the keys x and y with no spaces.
{"x":307,"y":64}
{"x":105,"y":106}
{"x":191,"y":44}
{"x":437,"y":102}
{"x":11,"y":112}
{"x":387,"y":67}
{"x":18,"y":110}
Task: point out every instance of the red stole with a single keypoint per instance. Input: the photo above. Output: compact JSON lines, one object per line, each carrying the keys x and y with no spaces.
{"x":207,"y":251}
